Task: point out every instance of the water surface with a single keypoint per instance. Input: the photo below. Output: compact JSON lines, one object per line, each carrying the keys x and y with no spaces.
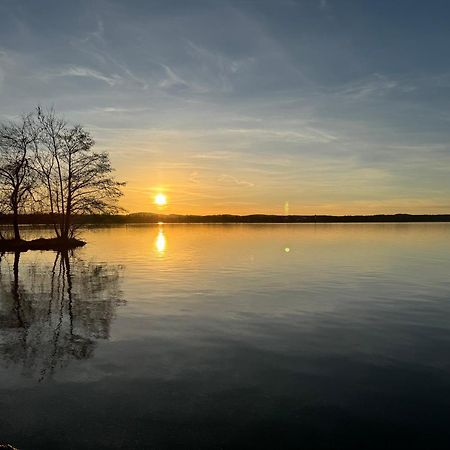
{"x":227,"y":336}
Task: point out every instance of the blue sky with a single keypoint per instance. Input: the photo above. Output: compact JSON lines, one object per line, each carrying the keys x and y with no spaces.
{"x":244,"y":106}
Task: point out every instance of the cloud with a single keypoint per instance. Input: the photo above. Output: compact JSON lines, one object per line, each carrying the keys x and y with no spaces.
{"x":3,"y":65}
{"x":83,"y":72}
{"x":97,"y":35}
{"x":193,"y":178}
{"x":216,"y":69}
{"x":230,"y":179}
{"x":172,"y":82}
{"x":376,"y":86}
{"x":307,"y":134}
{"x":323,"y":5}
{"x":216,"y":155}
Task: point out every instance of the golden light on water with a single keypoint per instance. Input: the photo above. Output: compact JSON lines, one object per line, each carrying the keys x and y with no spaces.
{"x":160,"y":200}
{"x":160,"y":242}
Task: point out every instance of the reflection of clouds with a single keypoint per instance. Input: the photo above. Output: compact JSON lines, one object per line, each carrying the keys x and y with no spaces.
{"x":50,"y":315}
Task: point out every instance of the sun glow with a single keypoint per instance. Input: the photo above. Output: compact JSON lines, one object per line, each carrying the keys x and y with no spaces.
{"x":160,"y":200}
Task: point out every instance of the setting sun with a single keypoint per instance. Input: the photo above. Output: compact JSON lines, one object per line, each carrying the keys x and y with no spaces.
{"x":160,"y":200}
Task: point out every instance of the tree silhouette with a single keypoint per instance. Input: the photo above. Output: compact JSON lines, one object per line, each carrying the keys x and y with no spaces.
{"x":17,"y":177}
{"x":75,"y":179}
{"x":52,"y":163}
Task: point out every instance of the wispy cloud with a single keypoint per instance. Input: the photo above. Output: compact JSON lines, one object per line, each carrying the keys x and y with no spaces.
{"x":83,"y":72}
{"x":306,"y":135}
{"x":96,"y":35}
{"x":3,"y":63}
{"x":323,"y":5}
{"x":216,"y":155}
{"x":230,"y":179}
{"x":377,"y":85}
{"x":215,"y":68}
{"x":193,"y":178}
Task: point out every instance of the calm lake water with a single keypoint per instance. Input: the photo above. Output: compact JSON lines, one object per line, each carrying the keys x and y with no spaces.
{"x":229,"y":336}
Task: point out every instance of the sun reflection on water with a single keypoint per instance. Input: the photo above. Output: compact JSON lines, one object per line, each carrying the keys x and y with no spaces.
{"x":160,"y":242}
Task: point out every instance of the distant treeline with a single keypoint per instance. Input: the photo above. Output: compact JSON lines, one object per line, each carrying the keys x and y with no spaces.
{"x":43,"y":219}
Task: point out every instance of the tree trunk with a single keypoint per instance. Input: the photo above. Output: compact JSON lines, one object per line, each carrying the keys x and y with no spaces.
{"x":66,"y":229}
{"x":68,"y":216}
{"x":16,"y":225}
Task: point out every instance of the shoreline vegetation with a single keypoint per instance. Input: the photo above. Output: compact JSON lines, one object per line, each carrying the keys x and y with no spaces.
{"x":153,"y":218}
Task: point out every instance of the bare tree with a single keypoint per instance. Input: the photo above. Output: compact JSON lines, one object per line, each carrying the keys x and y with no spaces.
{"x":17,"y":179}
{"x":76,"y":180}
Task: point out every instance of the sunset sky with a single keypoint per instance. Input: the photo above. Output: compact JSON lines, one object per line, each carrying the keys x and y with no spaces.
{"x":228,"y":106}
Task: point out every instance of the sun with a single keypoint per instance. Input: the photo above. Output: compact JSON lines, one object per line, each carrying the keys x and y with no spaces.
{"x":160,"y":200}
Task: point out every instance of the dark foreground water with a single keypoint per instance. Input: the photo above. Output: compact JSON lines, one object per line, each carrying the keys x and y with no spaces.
{"x":209,"y":336}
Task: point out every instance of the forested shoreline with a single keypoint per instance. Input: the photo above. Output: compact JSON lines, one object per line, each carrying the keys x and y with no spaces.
{"x":87,"y":219}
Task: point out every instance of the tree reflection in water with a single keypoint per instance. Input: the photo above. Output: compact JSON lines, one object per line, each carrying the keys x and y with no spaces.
{"x":52,"y":314}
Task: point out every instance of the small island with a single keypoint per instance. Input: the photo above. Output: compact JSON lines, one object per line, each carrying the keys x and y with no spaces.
{"x":54,"y":244}
{"x":49,"y":167}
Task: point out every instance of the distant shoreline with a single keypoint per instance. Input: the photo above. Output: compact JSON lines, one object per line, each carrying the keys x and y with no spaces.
{"x":150,"y":218}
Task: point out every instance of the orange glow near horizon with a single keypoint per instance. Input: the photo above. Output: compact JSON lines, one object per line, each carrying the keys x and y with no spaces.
{"x":180,"y":192}
{"x":204,"y":200}
{"x":188,"y":178}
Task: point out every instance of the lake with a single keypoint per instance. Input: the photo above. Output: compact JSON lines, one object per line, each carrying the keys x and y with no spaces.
{"x":229,"y":336}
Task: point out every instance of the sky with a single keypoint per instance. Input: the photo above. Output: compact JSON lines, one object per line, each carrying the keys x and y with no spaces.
{"x":240,"y":106}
